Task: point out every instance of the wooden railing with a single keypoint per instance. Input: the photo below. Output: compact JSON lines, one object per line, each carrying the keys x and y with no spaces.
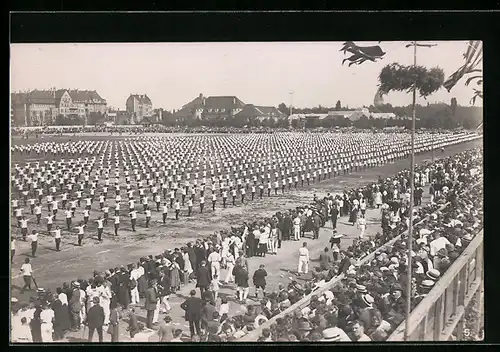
{"x":442,"y":311}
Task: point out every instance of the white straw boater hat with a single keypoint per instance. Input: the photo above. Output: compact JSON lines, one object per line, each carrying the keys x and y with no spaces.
{"x":331,"y":335}
{"x":427,"y":283}
{"x":368,"y":300}
{"x":338,"y":235}
{"x":433,"y":274}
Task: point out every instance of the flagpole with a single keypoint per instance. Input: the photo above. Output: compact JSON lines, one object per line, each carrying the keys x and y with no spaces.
{"x":412,"y":190}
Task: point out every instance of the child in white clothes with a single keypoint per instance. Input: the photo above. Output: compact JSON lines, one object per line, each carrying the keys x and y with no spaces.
{"x":223,"y":309}
{"x":214,"y":286}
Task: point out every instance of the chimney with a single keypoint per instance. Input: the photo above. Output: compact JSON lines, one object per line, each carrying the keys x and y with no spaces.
{"x":234,"y":100}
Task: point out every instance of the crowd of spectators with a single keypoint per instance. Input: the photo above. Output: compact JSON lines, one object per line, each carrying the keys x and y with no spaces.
{"x":369,"y":302}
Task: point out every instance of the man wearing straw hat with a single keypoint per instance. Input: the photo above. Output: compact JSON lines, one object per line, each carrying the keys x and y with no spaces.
{"x":95,"y":320}
{"x":333,"y":333}
{"x":335,"y":245}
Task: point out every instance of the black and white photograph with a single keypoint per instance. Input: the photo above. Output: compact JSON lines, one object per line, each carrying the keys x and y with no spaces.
{"x":271,"y":192}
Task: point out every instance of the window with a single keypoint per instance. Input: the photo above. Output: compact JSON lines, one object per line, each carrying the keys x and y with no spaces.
{"x":216,"y":110}
{"x":209,"y":110}
{"x":223,"y":110}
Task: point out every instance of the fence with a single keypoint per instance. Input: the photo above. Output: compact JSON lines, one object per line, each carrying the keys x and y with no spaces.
{"x":443,"y":309}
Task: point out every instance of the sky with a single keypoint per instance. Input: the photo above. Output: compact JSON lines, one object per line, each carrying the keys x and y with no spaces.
{"x":260,"y":73}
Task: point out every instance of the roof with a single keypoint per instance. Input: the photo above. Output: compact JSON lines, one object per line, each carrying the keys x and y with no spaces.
{"x":229,"y":102}
{"x":382,"y":115}
{"x":271,"y":110}
{"x":42,"y":97}
{"x":18,"y":98}
{"x":141,"y":98}
{"x":85,"y":96}
{"x":342,"y":112}
{"x":250,"y":111}
{"x":53,"y":96}
{"x":60,"y":93}
{"x":356,"y":115}
{"x":215,"y":102}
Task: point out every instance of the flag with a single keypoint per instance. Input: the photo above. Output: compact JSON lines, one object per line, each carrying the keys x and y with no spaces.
{"x":361,"y":54}
{"x":378,"y":100}
{"x":473,"y":57}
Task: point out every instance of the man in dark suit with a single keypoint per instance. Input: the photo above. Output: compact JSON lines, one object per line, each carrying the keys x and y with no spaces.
{"x":150,"y":304}
{"x":325,"y":259}
{"x":334,"y":214}
{"x":151,"y":266}
{"x":207,"y":313}
{"x":259,"y":280}
{"x":115,"y":283}
{"x":200,"y":254}
{"x":95,"y":319}
{"x":75,"y":306}
{"x":142,"y":283}
{"x":345,"y":262}
{"x":193,"y":306}
{"x":203,"y":277}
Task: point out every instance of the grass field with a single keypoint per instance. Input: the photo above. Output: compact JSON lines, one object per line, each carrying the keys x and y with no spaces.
{"x":53,"y":268}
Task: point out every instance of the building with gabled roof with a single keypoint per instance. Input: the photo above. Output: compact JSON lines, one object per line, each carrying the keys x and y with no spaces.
{"x":260,"y":113}
{"x":34,"y":108}
{"x":215,"y":107}
{"x":41,"y":107}
{"x":352,"y":115}
{"x":139,"y":106}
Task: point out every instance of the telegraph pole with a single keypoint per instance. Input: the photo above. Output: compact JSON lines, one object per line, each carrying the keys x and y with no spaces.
{"x":412,"y":189}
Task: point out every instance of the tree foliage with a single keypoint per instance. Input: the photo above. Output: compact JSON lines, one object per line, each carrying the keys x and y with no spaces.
{"x":284,"y":109}
{"x":95,"y":117}
{"x":70,"y":120}
{"x":397,"y":77}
